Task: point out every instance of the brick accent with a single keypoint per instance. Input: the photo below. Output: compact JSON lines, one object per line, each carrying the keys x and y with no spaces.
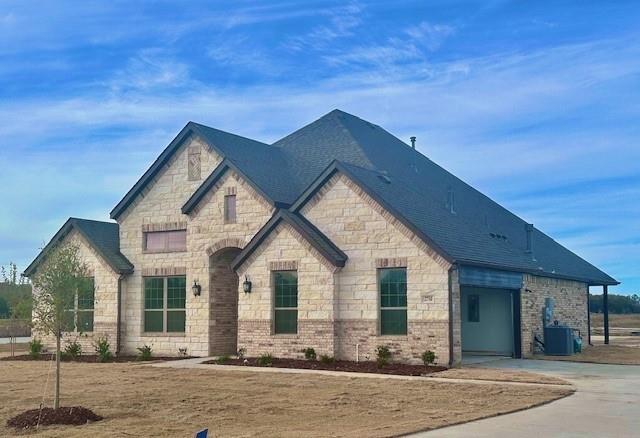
{"x":421,"y":336}
{"x":223,"y":304}
{"x":570,"y":307}
{"x":230,"y":242}
{"x":283,"y":265}
{"x":166,"y":226}
{"x":164,"y":271}
{"x":395,"y":262}
{"x":256,"y":337}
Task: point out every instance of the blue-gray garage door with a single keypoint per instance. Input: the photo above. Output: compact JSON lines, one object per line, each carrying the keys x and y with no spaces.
{"x":487,"y":321}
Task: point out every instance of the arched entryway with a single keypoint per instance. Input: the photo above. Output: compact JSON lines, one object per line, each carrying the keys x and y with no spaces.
{"x":223,"y":302}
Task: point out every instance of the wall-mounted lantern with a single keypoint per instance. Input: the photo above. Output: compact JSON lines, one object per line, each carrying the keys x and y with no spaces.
{"x":246,"y":286}
{"x":196,"y":288}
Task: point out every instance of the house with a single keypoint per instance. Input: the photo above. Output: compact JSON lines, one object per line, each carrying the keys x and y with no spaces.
{"x":339,"y":237}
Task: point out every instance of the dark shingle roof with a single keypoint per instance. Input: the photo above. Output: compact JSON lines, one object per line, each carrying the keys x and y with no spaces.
{"x":314,"y":236}
{"x":407,"y":182}
{"x":416,"y":188}
{"x":102,"y":236}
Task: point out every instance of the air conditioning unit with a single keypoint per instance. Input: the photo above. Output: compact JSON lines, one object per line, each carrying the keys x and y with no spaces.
{"x":558,"y":340}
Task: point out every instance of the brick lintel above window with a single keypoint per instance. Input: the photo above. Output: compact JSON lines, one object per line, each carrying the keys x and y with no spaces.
{"x":391,"y":262}
{"x":164,"y":272}
{"x":283,"y":265}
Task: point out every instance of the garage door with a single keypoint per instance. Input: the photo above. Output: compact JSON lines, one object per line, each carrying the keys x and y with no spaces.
{"x":487,"y":321}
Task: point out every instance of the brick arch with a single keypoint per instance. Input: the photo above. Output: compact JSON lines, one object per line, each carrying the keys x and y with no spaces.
{"x":229,"y":242}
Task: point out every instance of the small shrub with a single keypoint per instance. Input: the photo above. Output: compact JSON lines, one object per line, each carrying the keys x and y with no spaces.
{"x":383,"y":355}
{"x":265,"y":360}
{"x":35,"y":347}
{"x":309,"y":353}
{"x":144,"y":352}
{"x":102,"y":346}
{"x":223,"y":359}
{"x":429,"y":358}
{"x":73,"y":349}
{"x":242,"y":352}
{"x":326,"y":359}
{"x":182,"y":351}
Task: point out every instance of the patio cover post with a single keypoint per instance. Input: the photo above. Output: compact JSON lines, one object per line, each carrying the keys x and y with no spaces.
{"x":605,"y":310}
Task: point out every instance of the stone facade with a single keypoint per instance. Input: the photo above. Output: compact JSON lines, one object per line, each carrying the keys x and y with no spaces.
{"x":286,"y":249}
{"x":570,"y":307}
{"x":338,"y":308}
{"x":373,"y":238}
{"x":158,"y":208}
{"x":105,"y":299}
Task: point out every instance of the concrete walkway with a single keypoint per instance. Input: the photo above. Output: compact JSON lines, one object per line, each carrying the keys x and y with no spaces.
{"x":606,"y":404}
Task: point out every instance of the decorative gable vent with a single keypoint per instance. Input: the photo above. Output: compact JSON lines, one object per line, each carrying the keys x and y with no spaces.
{"x":194,"y":163}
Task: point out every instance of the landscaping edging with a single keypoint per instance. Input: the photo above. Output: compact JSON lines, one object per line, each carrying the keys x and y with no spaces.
{"x":365,"y":367}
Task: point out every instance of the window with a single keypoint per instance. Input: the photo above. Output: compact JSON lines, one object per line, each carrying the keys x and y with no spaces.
{"x":79,"y":316}
{"x":393,"y":301}
{"x":165,"y":241}
{"x":473,"y":308}
{"x":164,"y":304}
{"x":230,"y":209}
{"x":285,"y":300}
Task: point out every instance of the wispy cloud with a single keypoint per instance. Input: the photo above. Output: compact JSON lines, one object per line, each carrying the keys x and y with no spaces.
{"x":539,"y":128}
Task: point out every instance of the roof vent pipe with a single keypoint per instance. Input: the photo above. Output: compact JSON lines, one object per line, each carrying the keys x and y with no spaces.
{"x":529,"y":230}
{"x":413,"y":142}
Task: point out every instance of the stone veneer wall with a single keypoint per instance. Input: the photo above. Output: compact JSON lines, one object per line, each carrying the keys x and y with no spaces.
{"x":161,"y":204}
{"x":570,"y":307}
{"x":105,"y":304}
{"x":373,"y":238}
{"x":285,"y":249}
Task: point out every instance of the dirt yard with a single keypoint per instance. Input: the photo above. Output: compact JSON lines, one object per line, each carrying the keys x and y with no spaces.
{"x":606,"y":354}
{"x":139,"y":400}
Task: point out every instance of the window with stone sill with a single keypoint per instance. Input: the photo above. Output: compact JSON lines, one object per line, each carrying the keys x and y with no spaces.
{"x":285,"y":302}
{"x":165,"y":304}
{"x":392,"y":284}
{"x":165,"y":241}
{"x":79,"y":316}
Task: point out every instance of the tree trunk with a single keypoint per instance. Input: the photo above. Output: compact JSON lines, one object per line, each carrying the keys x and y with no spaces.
{"x":56,"y":403}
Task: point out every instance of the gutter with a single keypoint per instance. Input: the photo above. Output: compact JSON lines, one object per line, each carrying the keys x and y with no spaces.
{"x":119,"y":313}
{"x":451,"y":270}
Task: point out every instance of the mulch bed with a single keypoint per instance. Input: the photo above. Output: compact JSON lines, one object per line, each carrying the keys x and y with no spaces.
{"x":338,"y":365}
{"x":75,"y":415}
{"x":90,"y":358}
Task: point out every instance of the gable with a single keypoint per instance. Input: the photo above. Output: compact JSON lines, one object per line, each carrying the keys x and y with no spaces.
{"x":306,"y":233}
{"x":354,"y":220}
{"x":100,"y":238}
{"x":173,"y":182}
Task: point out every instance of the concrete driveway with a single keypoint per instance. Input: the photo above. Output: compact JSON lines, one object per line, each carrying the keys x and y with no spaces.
{"x":606,"y":404}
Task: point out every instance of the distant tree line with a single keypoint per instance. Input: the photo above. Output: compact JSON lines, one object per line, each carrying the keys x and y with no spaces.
{"x":15,"y":294}
{"x":617,"y":303}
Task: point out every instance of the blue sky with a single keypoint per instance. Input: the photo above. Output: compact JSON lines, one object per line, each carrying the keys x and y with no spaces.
{"x":534,"y":103}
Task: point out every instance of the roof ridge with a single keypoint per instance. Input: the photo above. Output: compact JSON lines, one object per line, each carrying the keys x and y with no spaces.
{"x":200,"y":126}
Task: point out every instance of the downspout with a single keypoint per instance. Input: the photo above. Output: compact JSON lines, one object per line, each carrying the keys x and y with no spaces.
{"x":119,"y":314}
{"x":451,"y":269}
{"x":588,"y":317}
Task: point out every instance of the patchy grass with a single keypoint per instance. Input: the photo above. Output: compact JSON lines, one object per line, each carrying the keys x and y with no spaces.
{"x":497,"y":375}
{"x":605,"y":354}
{"x":618,"y":324}
{"x":147,"y":401}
